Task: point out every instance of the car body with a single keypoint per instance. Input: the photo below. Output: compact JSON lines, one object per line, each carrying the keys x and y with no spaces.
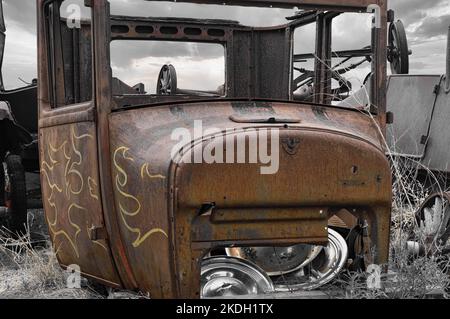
{"x":132,"y":215}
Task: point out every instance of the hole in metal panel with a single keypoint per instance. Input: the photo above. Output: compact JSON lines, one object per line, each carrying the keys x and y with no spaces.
{"x":168,"y":30}
{"x":120,"y":29}
{"x":192,"y":31}
{"x":144,"y":29}
{"x":216,"y":32}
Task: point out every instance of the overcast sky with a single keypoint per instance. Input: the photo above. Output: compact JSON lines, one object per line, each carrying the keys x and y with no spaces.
{"x":426,"y":22}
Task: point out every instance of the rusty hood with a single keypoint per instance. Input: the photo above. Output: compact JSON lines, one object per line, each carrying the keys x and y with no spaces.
{"x":327,"y":157}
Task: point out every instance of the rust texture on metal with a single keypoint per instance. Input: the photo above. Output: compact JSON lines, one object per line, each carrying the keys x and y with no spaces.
{"x":249,"y":208}
{"x":69,"y":171}
{"x":118,"y":204}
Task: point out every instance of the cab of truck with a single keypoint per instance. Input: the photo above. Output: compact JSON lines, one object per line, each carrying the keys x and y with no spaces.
{"x":256,"y":181}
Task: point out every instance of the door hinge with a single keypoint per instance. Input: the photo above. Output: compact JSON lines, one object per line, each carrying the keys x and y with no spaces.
{"x":390,"y":16}
{"x":424,"y":139}
{"x":437,"y":89}
{"x":98,"y":233}
{"x":389,"y":118}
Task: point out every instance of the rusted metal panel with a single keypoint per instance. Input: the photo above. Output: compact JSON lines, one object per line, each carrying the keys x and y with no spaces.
{"x":55,"y":118}
{"x":411,"y":99}
{"x":103,"y":97}
{"x":141,"y":192}
{"x":173,"y":29}
{"x":151,"y":206}
{"x":259,"y":64}
{"x":72,"y":200}
{"x":332,"y":142}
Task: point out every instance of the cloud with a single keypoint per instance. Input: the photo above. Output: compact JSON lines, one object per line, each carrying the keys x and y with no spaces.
{"x":123,"y":52}
{"x":20,"y":14}
{"x":426,"y":23}
{"x":433,"y":26}
{"x":245,"y":15}
{"x":411,"y":11}
{"x":21,"y":49}
{"x":199,"y":66}
{"x":206,"y":74}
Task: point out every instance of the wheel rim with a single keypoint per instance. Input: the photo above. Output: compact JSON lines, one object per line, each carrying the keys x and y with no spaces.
{"x":167,"y":80}
{"x":398,"y":54}
{"x":277,"y":261}
{"x":321,"y":266}
{"x":320,"y":271}
{"x":229,"y":276}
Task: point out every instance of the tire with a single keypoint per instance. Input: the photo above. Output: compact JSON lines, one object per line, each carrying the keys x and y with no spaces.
{"x":16,"y":194}
{"x":171,"y":73}
{"x":397,"y":35}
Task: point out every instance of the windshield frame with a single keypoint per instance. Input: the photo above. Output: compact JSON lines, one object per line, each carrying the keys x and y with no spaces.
{"x":102,"y":21}
{"x":323,"y":42}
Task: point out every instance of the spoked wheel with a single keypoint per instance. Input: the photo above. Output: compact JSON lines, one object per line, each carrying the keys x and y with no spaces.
{"x":398,"y":52}
{"x":167,"y":81}
{"x":15,"y":194}
{"x":433,"y":219}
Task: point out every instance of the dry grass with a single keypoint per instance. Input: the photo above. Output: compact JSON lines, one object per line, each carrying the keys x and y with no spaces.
{"x":416,"y":277}
{"x":29,"y":270}
{"x":409,"y":276}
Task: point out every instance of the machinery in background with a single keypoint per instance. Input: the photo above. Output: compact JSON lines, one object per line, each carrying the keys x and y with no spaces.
{"x":420,"y":136}
{"x":19,"y":156}
{"x":420,"y":105}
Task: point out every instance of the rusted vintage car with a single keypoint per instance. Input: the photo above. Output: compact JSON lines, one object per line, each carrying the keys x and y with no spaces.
{"x":124,"y":201}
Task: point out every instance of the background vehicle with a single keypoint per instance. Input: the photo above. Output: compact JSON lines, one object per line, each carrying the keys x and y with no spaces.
{"x":18,"y":149}
{"x":419,"y":132}
{"x":419,"y":137}
{"x":131,"y":216}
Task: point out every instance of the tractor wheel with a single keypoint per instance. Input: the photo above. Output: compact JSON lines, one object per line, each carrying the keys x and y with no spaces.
{"x":16,"y":194}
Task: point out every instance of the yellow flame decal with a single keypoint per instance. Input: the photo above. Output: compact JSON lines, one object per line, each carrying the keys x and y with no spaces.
{"x":92,"y":187}
{"x":69,"y":150}
{"x":121,"y":182}
{"x":145,"y":171}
